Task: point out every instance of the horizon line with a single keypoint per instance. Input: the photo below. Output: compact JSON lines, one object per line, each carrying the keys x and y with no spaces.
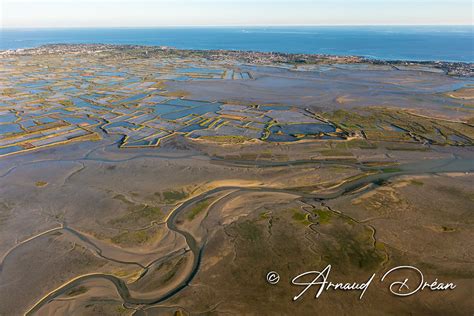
{"x":226,"y":26}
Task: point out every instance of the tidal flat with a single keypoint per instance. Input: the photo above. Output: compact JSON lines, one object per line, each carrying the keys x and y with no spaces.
{"x":146,"y":181}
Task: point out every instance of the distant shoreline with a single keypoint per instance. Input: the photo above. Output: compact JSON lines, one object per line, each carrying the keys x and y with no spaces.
{"x":462,"y":69}
{"x":369,"y":58}
{"x":386,"y":43}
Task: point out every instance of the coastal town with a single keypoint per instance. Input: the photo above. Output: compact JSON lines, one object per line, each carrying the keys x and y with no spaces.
{"x":252,"y":57}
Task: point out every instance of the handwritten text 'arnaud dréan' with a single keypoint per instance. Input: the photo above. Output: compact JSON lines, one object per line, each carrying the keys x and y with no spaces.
{"x":319,"y":281}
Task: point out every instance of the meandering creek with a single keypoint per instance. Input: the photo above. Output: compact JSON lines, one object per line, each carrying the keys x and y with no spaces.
{"x":356,"y":186}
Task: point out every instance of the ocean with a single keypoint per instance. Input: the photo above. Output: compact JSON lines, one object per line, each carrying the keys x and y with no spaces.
{"x":430,"y":43}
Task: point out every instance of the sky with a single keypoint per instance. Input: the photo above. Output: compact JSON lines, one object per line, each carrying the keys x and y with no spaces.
{"x":149,"y":13}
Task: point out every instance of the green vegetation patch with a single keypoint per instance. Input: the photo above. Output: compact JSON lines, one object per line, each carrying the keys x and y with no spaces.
{"x":402,"y":148}
{"x":391,"y":170}
{"x":197,"y":209}
{"x":169,"y":275}
{"x":360,"y":143}
{"x":397,"y":125}
{"x":174,"y":196}
{"x":120,"y":310}
{"x":446,"y":229}
{"x":150,"y":213}
{"x":352,"y":246}
{"x":416,"y":182}
{"x":41,"y":184}
{"x":301,"y":217}
{"x":249,"y":231}
{"x":264,"y":215}
{"x":129,"y":238}
{"x":66,"y":102}
{"x":324,"y":217}
{"x":144,"y":213}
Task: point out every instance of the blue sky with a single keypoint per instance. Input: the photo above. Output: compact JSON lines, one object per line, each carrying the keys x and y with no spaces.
{"x":147,"y":13}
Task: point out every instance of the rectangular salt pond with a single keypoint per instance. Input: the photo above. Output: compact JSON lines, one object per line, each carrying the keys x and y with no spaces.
{"x":164,"y":108}
{"x":111,"y":73}
{"x":143,"y":118}
{"x":8,"y":118}
{"x":121,"y":124}
{"x":131,"y":99}
{"x":200,"y":70}
{"x":187,"y":103}
{"x":311,"y":129}
{"x":155,"y":99}
{"x":229,"y":74}
{"x":9,"y":150}
{"x":79,"y":120}
{"x":245,"y":75}
{"x":10,"y":128}
{"x":36,"y":84}
{"x":44,"y":120}
{"x":286,"y":133}
{"x":197,"y":110}
{"x":182,"y":78}
{"x":191,"y":128}
{"x":83,"y":104}
{"x":27,"y":123}
{"x":60,"y":138}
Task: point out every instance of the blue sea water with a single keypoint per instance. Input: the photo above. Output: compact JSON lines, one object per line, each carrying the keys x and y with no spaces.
{"x":446,"y":43}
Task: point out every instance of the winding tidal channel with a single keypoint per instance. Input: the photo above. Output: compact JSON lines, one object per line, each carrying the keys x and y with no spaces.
{"x":356,"y":186}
